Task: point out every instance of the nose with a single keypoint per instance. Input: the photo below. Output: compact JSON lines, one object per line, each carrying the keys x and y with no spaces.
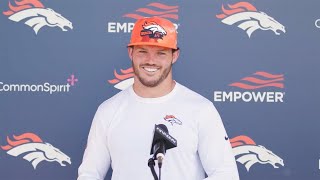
{"x":150,"y":58}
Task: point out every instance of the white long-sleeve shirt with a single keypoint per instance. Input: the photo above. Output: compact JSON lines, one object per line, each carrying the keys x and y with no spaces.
{"x":122,"y":132}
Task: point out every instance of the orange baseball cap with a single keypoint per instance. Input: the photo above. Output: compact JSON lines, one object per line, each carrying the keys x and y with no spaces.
{"x":154,"y":31}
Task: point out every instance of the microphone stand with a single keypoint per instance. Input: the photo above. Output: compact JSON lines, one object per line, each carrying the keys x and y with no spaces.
{"x":160,"y":143}
{"x":151,"y":164}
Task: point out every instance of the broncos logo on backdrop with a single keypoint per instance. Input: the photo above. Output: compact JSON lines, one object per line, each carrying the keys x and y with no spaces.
{"x":35,"y":15}
{"x":153,"y":30}
{"x":248,"y":153}
{"x":246,"y":16}
{"x":124,"y":80}
{"x":34,"y":150}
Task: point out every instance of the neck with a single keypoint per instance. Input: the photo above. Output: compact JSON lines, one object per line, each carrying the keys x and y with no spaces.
{"x":160,"y":90}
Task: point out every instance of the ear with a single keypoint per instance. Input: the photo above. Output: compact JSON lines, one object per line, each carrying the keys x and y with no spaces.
{"x":175,"y":56}
{"x":130,"y":51}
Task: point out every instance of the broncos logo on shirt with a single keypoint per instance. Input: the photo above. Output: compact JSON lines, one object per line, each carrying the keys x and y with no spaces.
{"x":172,"y":119}
{"x":34,"y":150}
{"x":246,"y":16}
{"x":248,"y":153}
{"x":35,"y":15}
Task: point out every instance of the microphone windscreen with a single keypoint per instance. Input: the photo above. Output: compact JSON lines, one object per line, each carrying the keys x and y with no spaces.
{"x":163,"y":127}
{"x":161,"y":134}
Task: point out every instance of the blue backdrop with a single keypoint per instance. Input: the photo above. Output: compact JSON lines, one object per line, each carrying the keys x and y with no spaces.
{"x":255,"y":60}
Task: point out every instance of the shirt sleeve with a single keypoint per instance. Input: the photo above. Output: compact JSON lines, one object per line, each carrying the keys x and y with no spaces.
{"x":96,"y":160}
{"x":214,"y":147}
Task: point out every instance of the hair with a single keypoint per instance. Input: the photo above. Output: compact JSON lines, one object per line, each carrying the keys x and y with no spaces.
{"x":174,"y":50}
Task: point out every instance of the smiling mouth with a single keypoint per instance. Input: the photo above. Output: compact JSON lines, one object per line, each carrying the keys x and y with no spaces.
{"x":65,"y":162}
{"x":279,"y":31}
{"x":150,"y":69}
{"x":67,"y":28}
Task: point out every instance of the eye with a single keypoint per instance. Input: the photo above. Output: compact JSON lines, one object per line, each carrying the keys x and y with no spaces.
{"x":142,"y":51}
{"x":161,"y":53}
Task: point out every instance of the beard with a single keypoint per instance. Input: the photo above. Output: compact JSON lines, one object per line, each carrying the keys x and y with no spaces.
{"x":155,"y":81}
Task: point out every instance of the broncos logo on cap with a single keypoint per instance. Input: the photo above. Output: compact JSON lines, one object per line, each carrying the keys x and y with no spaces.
{"x":246,"y":16}
{"x":153,"y":30}
{"x":248,"y":153}
{"x":35,"y":15}
{"x":34,"y":150}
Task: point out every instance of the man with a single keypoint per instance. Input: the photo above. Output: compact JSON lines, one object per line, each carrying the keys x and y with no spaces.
{"x":122,"y":130}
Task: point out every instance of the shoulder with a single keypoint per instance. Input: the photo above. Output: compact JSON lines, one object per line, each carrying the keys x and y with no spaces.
{"x":107,"y":109}
{"x":203,"y":110}
{"x":114,"y":102}
{"x":193,"y":97}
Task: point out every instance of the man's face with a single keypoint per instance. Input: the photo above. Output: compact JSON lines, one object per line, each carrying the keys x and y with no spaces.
{"x":152,"y":64}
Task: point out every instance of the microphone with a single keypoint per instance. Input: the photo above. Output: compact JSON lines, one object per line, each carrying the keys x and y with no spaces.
{"x":161,"y":142}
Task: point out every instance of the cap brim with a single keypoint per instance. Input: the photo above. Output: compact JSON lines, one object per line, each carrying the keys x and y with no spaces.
{"x":151,"y":44}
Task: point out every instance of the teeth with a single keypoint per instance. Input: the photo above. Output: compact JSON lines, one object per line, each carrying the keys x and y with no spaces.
{"x":150,"y":69}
